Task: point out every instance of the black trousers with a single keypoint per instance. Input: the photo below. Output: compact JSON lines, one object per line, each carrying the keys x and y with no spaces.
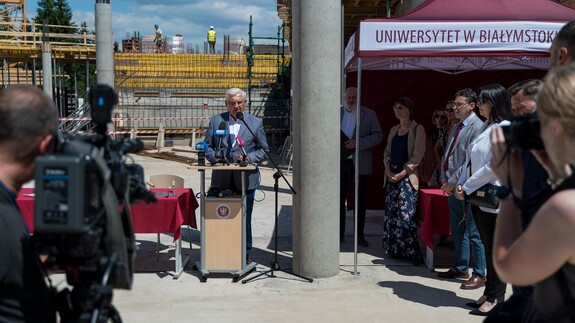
{"x":347,"y":185}
{"x":485,"y":222}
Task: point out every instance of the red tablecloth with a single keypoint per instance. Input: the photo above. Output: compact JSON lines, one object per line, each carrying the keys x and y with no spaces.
{"x":434,"y":214}
{"x":166,"y":216}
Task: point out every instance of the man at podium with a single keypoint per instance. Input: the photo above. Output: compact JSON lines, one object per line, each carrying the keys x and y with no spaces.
{"x":234,"y":137}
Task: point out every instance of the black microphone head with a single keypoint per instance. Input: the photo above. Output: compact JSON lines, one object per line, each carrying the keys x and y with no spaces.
{"x":240,"y":115}
{"x":222,"y":126}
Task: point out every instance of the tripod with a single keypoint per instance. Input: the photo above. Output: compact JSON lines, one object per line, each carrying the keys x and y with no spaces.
{"x":90,"y":300}
{"x":275,"y":266}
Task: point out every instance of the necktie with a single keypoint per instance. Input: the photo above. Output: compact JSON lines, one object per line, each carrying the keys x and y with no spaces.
{"x":452,"y":146}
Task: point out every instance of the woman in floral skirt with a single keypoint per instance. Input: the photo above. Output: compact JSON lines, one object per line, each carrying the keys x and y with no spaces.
{"x":403,"y":153}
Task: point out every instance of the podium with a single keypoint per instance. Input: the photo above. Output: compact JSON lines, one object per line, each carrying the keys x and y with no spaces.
{"x":223,"y":228}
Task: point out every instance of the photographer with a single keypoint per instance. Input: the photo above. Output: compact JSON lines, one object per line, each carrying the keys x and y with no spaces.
{"x":28,"y":125}
{"x":530,"y":191}
{"x":544,"y":254}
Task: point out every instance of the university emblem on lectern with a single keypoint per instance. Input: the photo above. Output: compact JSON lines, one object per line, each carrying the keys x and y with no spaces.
{"x":223,"y":210}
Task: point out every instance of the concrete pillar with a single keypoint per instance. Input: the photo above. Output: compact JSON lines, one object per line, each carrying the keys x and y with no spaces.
{"x":47,"y":68}
{"x":104,"y":43}
{"x":316,"y":68}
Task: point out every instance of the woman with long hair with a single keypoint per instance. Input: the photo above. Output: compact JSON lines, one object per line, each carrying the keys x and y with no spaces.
{"x":494,"y":105}
{"x":544,"y":254}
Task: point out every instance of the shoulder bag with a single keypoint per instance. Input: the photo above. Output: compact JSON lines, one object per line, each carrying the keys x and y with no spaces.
{"x":485,"y":196}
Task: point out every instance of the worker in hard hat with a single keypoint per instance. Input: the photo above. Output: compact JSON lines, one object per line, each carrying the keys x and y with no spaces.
{"x":212,"y":40}
{"x":158,"y":40}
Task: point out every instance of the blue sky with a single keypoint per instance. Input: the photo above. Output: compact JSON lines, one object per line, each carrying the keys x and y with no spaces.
{"x":190,"y":18}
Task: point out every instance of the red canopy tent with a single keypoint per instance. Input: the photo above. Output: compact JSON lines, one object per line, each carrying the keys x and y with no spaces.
{"x":444,"y":46}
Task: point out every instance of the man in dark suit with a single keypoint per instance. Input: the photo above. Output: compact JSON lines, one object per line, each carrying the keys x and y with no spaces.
{"x":462,"y":224}
{"x":28,"y":125}
{"x":255,"y":148}
{"x":369,"y":136}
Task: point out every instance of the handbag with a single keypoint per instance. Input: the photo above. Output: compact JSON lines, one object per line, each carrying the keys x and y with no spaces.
{"x":485,"y":196}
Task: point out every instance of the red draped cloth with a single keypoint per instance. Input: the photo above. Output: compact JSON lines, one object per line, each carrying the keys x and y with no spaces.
{"x":434,"y":212}
{"x":166,"y":216}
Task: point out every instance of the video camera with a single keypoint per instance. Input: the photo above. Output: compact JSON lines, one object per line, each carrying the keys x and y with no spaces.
{"x":524,"y":132}
{"x":82,"y":214}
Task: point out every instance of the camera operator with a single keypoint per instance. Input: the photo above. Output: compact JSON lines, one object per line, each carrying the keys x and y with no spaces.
{"x":28,"y":125}
{"x":542,"y":255}
{"x":530,"y":191}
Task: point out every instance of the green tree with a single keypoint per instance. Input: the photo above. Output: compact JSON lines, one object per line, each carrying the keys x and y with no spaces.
{"x":55,"y":12}
{"x":58,"y":14}
{"x":84,"y":30}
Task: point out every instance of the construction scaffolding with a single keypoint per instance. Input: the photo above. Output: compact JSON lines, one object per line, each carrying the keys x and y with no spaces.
{"x":269,"y":90}
{"x":180,"y":92}
{"x":172,"y":95}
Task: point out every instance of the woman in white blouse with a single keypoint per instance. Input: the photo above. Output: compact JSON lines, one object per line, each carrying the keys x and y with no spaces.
{"x":495,"y":106}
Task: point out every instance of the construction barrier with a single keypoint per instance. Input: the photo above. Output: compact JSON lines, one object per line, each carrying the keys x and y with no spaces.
{"x":134,"y":132}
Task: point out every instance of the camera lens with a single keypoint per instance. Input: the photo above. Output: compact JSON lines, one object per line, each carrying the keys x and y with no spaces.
{"x":524,"y":133}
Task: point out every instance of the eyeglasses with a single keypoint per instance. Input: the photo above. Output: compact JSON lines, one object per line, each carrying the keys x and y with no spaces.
{"x":459,"y":104}
{"x":397,"y":107}
{"x":449,"y":110}
{"x":440,"y":116}
{"x":482,"y":100}
{"x":236,"y":102}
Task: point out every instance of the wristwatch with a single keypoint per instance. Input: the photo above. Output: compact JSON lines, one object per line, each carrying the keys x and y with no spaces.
{"x":503,"y":192}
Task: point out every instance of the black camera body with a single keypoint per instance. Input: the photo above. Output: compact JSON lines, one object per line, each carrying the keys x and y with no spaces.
{"x":524,"y":132}
{"x":82,"y":216}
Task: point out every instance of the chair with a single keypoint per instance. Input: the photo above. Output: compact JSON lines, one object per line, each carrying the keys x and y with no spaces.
{"x":167,"y":181}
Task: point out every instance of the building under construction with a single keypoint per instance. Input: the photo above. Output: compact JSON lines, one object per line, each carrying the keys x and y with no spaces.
{"x":169,"y":94}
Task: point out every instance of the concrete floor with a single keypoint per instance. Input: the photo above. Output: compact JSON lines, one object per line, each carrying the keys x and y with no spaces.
{"x":385,"y":290}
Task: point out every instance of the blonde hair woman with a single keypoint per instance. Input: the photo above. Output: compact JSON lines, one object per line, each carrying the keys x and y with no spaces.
{"x":544,"y":254}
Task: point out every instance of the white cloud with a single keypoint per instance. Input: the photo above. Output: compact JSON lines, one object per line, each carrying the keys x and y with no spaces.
{"x":192,"y":20}
{"x":189,"y":18}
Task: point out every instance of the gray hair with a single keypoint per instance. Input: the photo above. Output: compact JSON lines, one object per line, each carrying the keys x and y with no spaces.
{"x":235,"y":91}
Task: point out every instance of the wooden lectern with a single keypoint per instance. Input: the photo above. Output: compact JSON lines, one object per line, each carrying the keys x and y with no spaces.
{"x":223,"y":228}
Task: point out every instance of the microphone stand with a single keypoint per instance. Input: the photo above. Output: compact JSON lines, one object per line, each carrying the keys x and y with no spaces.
{"x":275,"y":266}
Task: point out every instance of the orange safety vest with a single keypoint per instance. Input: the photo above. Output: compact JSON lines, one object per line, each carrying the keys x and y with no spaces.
{"x":211,"y":36}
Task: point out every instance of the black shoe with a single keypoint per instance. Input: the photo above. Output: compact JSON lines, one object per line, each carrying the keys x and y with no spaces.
{"x":362,"y":242}
{"x":473,"y":305}
{"x":510,"y":311}
{"x":478,"y":312}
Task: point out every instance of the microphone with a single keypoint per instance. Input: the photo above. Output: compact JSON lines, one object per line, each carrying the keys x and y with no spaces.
{"x":240,"y":115}
{"x":221,"y":132}
{"x":240,"y":143}
{"x":201,"y":147}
